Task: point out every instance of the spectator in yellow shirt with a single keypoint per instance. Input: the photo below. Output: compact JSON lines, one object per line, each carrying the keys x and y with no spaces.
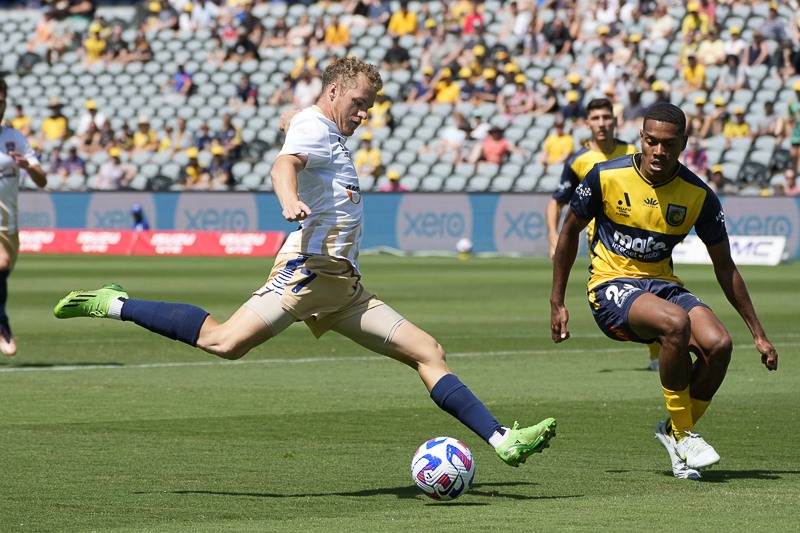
{"x":337,"y":35}
{"x":380,"y":114}
{"x":694,"y":20}
{"x":195,"y":176}
{"x":558,"y":146}
{"x":736,"y":127}
{"x":446,"y":90}
{"x":694,"y":74}
{"x":94,"y":46}
{"x":368,"y":159}
{"x":20,"y":122}
{"x":144,"y":138}
{"x":54,"y":127}
{"x":403,"y":22}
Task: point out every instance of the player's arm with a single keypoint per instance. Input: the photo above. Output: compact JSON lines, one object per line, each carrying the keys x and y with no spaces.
{"x":733,"y":286}
{"x":284,"y":182}
{"x":564,"y":258}
{"x":552,"y":216}
{"x":34,"y":171}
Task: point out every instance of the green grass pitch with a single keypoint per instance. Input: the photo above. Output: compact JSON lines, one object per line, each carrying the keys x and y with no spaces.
{"x":106,"y":427}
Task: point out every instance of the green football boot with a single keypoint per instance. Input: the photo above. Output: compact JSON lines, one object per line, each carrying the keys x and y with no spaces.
{"x":524,"y":442}
{"x":89,"y":303}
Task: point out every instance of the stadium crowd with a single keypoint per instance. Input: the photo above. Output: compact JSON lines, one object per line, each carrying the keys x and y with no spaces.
{"x":480,"y":94}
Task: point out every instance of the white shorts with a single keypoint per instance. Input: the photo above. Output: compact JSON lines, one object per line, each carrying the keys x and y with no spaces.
{"x":321,"y":291}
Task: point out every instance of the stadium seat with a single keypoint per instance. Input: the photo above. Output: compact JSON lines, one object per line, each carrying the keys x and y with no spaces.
{"x":526,"y":183}
{"x":456,"y":183}
{"x":781,"y":159}
{"x":753,"y":173}
{"x":762,"y":157}
{"x":420,"y":170}
{"x":431,"y":183}
{"x":249,"y":181}
{"x":502,"y":183}
{"x":139,"y":182}
{"x":479,"y":183}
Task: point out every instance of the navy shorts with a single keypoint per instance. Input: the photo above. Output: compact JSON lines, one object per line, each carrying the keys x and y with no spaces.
{"x":611,"y":301}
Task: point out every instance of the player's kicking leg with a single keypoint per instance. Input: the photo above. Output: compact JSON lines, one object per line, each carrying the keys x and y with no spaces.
{"x":246,"y":329}
{"x":384,"y":331}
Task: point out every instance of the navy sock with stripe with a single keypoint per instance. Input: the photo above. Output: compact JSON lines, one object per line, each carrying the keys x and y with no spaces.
{"x":456,"y":399}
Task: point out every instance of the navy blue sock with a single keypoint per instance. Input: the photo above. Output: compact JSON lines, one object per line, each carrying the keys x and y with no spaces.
{"x":176,"y":321}
{"x":456,"y":399}
{"x":3,"y":290}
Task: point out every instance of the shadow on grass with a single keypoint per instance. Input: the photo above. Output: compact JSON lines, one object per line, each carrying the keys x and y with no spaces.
{"x":724,"y":476}
{"x":10,"y":364}
{"x":638,"y":369}
{"x":403,"y":493}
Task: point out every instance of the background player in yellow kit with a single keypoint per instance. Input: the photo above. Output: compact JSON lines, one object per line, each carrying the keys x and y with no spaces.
{"x":643,"y":205}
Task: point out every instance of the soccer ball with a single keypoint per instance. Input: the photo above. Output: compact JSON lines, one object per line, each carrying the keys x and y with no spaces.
{"x":443,"y":468}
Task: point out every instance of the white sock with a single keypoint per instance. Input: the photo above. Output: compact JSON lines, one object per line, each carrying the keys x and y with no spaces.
{"x":115,"y":308}
{"x":498,"y":438}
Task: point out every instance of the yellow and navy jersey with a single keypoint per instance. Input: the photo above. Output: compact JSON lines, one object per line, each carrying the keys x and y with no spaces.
{"x":577,"y":166}
{"x":638,"y":223}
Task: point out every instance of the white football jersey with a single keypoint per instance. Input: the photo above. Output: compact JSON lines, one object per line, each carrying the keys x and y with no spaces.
{"x":328,"y":185}
{"x":11,"y":140}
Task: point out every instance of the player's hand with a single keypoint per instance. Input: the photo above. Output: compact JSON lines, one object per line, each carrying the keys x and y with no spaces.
{"x":296,"y":211}
{"x":769,"y":356}
{"x":286,"y":119}
{"x":553,"y":243}
{"x":559,"y":316}
{"x":19,"y":159}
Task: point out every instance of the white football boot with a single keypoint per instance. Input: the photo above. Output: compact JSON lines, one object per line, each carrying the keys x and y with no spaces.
{"x":679,"y":468}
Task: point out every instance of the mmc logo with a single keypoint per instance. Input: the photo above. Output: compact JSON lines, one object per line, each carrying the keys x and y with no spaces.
{"x":354,"y":192}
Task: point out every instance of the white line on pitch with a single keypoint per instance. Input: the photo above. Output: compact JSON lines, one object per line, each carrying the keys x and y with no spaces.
{"x":323,"y":359}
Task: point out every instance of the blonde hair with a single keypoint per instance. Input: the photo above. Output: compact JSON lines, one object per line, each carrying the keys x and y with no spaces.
{"x":345,"y":70}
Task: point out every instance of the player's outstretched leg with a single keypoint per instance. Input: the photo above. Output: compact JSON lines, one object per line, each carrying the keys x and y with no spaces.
{"x":664,"y":437}
{"x":246,"y":329}
{"x":176,"y":321}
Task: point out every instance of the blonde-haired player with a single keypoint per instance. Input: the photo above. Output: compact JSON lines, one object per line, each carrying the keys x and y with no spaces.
{"x":316,"y":277}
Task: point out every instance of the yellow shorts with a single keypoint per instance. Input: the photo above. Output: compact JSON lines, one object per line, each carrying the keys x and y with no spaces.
{"x":320,"y":290}
{"x":11,"y":246}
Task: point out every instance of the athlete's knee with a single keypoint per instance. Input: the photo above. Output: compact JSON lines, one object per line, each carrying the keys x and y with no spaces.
{"x":719,"y":348}
{"x":230,"y":352}
{"x":676,"y":327}
{"x":216,"y":342}
{"x":431,"y":354}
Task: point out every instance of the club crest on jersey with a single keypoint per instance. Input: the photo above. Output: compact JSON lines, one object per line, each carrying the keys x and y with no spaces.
{"x":354,"y":193}
{"x":676,"y":214}
{"x":11,"y":146}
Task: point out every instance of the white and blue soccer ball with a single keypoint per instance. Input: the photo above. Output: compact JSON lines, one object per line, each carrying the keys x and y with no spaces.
{"x":443,"y":468}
